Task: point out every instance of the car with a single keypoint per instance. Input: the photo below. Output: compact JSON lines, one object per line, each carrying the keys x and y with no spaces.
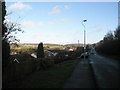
{"x":86,"y":54}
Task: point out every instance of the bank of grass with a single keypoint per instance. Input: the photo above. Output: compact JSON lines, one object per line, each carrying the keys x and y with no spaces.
{"x":53,"y":77}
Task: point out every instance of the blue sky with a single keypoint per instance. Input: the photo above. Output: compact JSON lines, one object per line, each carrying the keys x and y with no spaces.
{"x":60,"y":22}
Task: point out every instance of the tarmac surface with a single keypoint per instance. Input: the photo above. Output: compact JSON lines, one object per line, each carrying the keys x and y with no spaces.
{"x":106,"y":71}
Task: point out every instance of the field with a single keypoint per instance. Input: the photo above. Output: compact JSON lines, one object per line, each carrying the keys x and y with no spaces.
{"x":22,"y":48}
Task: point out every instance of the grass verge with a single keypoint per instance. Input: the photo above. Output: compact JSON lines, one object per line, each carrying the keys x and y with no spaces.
{"x":53,"y":77}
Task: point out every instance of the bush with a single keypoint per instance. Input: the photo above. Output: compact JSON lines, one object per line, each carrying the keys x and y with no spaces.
{"x":63,"y":56}
{"x":79,"y":51}
{"x":45,"y":63}
{"x":17,"y":71}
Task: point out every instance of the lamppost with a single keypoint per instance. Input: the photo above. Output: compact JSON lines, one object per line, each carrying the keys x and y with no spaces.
{"x":78,"y":43}
{"x":84,"y":38}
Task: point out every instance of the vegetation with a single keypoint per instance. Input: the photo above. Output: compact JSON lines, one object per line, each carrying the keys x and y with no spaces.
{"x":5,"y":44}
{"x":32,"y":48}
{"x":40,"y":51}
{"x":21,"y":48}
{"x":5,"y":54}
{"x":53,"y":77}
{"x":79,"y":51}
{"x":28,"y":64}
{"x":15,"y":71}
{"x":4,"y":29}
{"x":9,"y":29}
{"x":110,"y":45}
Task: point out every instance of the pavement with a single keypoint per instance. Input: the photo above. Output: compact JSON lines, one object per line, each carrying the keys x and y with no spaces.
{"x":81,"y":77}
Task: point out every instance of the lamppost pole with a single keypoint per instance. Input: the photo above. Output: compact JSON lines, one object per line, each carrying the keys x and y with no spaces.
{"x":78,"y":43}
{"x":84,"y":39}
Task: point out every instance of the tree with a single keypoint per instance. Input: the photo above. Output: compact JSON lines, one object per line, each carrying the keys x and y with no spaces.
{"x":40,"y":51}
{"x":110,"y":44}
{"x":12,"y":30}
{"x":5,"y":44}
{"x":87,"y":48}
{"x":4,"y":29}
{"x":108,"y":37}
{"x":117,"y":33}
{"x":8,"y":28}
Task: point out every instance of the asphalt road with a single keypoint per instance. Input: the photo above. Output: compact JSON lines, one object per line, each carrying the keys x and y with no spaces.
{"x":106,"y":71}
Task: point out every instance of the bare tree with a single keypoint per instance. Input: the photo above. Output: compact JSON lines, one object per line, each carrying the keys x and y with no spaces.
{"x":12,"y":30}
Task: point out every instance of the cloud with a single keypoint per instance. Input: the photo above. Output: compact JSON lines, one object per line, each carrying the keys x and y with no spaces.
{"x":55,"y":10}
{"x":50,"y":22}
{"x":66,"y":7}
{"x":38,"y":34}
{"x":19,"y":6}
{"x":31,"y":24}
{"x":27,"y":23}
{"x":64,"y":20}
{"x":56,"y":7}
{"x":97,"y":28}
{"x":39,"y":23}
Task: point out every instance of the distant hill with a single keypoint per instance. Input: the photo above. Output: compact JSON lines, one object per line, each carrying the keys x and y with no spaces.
{"x":28,"y":43}
{"x":48,"y":44}
{"x":76,"y":45}
{"x":52,"y":44}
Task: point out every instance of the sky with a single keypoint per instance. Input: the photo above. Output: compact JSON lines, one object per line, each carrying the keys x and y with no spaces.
{"x":61,"y":22}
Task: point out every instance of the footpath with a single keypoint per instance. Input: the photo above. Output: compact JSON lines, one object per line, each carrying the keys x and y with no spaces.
{"x":82,"y":76}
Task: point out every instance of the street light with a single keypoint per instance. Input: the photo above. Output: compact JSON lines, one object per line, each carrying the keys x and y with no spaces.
{"x":84,"y":38}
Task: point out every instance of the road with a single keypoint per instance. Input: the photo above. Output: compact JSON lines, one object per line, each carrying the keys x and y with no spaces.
{"x":106,"y":71}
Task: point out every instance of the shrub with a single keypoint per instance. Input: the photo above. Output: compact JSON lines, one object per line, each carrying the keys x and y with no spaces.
{"x":18,"y":71}
{"x":63,"y":56}
{"x":78,"y":51}
{"x":45,"y":63}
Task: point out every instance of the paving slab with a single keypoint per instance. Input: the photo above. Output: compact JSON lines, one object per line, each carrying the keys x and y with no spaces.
{"x":81,"y":76}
